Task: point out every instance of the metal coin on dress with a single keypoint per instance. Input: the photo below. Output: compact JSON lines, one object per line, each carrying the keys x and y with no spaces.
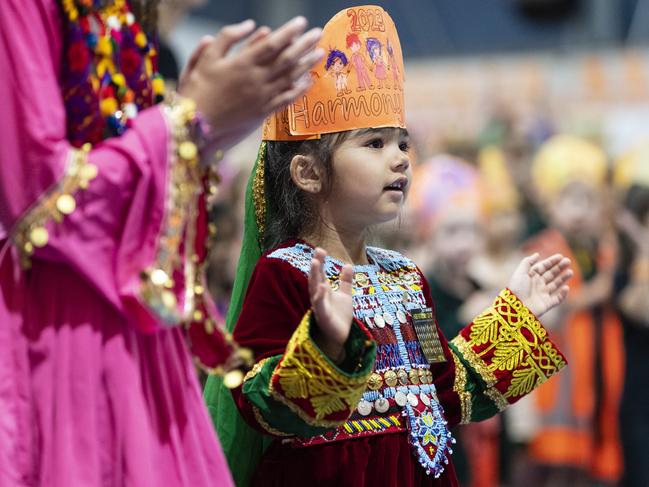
{"x":423,"y":377}
{"x":412,"y":399}
{"x":414,"y":376}
{"x":401,"y":316}
{"x":402,"y":375}
{"x":390,"y":378}
{"x":381,"y":405}
{"x":375,"y":381}
{"x":389,"y":319}
{"x":429,"y":377}
{"x":424,"y":398}
{"x":379,"y":321}
{"x":364,"y":407}
{"x":400,"y":398}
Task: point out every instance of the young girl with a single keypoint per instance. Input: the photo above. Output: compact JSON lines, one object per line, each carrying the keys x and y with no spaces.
{"x":354,"y":384}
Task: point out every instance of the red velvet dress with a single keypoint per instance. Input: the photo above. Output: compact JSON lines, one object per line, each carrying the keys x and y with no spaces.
{"x":383,"y":416}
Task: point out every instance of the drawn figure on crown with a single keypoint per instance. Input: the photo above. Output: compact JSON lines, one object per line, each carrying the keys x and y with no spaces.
{"x":338,"y":65}
{"x":375,"y":51}
{"x":358,"y":61}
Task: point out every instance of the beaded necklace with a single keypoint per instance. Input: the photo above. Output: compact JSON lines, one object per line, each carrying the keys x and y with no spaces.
{"x":109,"y":69}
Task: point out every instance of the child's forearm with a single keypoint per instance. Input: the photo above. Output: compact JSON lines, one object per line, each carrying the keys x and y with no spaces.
{"x":500,"y":357}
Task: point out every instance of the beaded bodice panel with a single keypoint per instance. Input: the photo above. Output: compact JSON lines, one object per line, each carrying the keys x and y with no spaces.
{"x":400,"y":394}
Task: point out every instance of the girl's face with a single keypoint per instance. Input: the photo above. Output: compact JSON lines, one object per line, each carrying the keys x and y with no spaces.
{"x":371,"y":177}
{"x":338,"y":65}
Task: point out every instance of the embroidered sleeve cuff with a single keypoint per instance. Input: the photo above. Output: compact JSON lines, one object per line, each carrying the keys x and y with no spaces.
{"x":508,"y":351}
{"x":318,"y":391}
{"x":266,"y":413}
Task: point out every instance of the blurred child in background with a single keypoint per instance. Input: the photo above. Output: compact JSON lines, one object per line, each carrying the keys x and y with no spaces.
{"x":447,"y":204}
{"x":578,"y":438}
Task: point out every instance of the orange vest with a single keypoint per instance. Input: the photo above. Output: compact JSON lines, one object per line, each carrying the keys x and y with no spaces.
{"x":570,"y":434}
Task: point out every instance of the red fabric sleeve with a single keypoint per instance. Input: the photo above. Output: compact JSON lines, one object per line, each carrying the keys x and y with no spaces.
{"x":276,"y":301}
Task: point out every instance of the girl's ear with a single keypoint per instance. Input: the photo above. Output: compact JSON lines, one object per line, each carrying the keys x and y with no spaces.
{"x":307,"y":174}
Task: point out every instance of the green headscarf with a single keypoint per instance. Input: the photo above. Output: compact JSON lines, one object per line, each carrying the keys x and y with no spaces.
{"x":234,"y":433}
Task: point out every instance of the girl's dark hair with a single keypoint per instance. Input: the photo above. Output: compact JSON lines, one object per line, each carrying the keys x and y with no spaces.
{"x":290,"y":211}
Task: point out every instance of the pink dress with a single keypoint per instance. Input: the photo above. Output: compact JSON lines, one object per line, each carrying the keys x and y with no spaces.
{"x":85,"y":398}
{"x":380,"y":70}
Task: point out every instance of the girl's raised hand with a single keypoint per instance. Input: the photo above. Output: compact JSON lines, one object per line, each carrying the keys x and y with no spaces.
{"x":333,"y":310}
{"x":541,"y":284}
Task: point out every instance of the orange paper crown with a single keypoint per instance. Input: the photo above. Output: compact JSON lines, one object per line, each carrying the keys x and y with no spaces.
{"x":358,"y":84}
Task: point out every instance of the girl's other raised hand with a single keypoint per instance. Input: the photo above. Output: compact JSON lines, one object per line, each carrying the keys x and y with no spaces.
{"x":541,"y":284}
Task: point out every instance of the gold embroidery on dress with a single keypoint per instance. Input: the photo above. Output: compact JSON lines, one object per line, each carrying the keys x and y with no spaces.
{"x":179,"y":225}
{"x":508,"y":338}
{"x":459,"y":387}
{"x":258,"y":194}
{"x":256,"y":369}
{"x":305,"y":373}
{"x":476,"y":363}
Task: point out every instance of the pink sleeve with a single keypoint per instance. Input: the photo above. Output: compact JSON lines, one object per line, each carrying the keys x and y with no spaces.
{"x":114,"y":233}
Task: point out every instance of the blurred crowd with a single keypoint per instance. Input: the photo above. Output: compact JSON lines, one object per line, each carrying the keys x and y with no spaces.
{"x":474,"y":210}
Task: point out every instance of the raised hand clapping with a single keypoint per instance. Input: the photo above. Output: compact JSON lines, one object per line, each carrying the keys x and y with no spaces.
{"x":236,"y":89}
